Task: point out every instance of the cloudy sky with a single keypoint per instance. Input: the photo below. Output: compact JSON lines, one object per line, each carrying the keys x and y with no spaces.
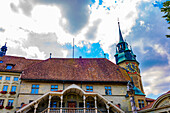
{"x":36,"y":28}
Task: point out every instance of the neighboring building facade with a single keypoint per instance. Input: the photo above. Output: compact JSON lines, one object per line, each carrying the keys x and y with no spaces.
{"x":10,"y":71}
{"x":160,"y":105}
{"x":91,"y":85}
{"x":9,"y":85}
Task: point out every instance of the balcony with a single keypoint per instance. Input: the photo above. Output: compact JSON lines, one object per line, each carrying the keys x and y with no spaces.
{"x":71,"y":110}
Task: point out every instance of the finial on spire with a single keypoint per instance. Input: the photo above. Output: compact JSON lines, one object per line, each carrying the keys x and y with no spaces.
{"x":50,"y":55}
{"x":120,"y":34}
{"x":104,"y":55}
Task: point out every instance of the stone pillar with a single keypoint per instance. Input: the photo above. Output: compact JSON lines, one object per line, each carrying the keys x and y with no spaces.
{"x":84,"y":101}
{"x":107,"y":107}
{"x":35,"y":107}
{"x":61,"y":103}
{"x":49,"y":103}
{"x":95,"y":102}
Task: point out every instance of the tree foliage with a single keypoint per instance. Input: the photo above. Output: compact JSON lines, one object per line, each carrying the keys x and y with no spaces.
{"x":166,"y":10}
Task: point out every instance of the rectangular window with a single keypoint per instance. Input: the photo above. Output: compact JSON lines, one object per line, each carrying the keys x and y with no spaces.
{"x":7,"y":78}
{"x":10,"y":102}
{"x":0,"y":77}
{"x":89,"y":88}
{"x":54,"y":87}
{"x":35,"y":89}
{"x":13,"y":89}
{"x":141,"y":103}
{"x":108,"y":90}
{"x":15,"y":78}
{"x":5,"y":88}
{"x":1,"y":102}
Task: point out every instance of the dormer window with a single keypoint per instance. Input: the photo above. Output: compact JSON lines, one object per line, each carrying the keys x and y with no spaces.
{"x":10,"y":66}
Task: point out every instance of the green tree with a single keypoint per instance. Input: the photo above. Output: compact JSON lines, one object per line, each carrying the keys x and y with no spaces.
{"x":166,"y":10}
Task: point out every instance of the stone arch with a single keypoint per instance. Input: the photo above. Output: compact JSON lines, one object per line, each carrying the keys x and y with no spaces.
{"x":55,"y":101}
{"x":160,"y":99}
{"x":90,"y":102}
{"x":74,"y":89}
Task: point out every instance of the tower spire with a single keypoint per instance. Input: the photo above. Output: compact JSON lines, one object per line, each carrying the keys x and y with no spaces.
{"x":120,"y":34}
{"x":131,"y":50}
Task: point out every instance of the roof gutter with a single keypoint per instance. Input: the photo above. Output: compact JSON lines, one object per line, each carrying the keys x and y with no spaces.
{"x":75,"y":81}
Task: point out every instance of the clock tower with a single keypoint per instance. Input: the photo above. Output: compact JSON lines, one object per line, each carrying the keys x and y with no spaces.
{"x":127,"y":59}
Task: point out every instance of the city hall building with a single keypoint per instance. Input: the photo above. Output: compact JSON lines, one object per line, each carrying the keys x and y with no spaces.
{"x":71,"y":85}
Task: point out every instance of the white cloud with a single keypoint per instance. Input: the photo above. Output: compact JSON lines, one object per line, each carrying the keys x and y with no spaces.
{"x":141,"y":23}
{"x":65,"y":53}
{"x":34,"y":52}
{"x":157,"y":80}
{"x":161,"y":50}
{"x":141,"y":44}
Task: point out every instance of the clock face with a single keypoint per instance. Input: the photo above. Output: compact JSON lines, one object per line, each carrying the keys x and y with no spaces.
{"x":130,"y":67}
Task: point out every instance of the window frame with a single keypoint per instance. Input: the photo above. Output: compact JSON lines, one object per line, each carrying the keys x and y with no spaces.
{"x":141,"y":103}
{"x":10,"y":102}
{"x":7,"y":79}
{"x":6,"y":89}
{"x":2,"y":101}
{"x":54,"y":88}
{"x":89,"y":88}
{"x":12,"y":88}
{"x":107,"y":90}
{"x":35,"y":90}
{"x":16,"y":78}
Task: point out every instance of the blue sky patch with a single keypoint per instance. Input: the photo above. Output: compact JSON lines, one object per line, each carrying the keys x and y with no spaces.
{"x":100,"y":2}
{"x":158,"y":4}
{"x":93,"y":1}
{"x":108,"y":8}
{"x":95,"y":51}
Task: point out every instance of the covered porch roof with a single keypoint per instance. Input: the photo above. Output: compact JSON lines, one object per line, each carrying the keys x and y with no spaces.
{"x":72,"y":88}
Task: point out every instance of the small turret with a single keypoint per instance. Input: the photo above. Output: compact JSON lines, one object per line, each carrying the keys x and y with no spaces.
{"x":3,"y":50}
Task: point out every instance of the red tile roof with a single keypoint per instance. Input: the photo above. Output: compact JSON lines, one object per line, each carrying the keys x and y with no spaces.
{"x":19,"y":63}
{"x":149,"y":100}
{"x":148,"y":106}
{"x":78,"y":69}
